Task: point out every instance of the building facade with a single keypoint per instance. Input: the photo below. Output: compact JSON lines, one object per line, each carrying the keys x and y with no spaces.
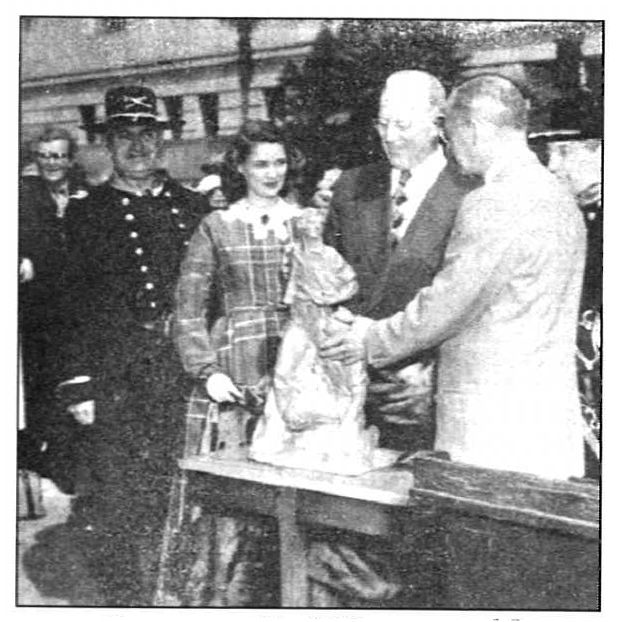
{"x":193,"y":64}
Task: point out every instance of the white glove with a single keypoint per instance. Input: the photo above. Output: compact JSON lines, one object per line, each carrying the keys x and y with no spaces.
{"x":26,"y":270}
{"x":83,"y":412}
{"x":220,"y":388}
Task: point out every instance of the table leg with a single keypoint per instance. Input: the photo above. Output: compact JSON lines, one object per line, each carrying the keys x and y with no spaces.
{"x":292,"y":552}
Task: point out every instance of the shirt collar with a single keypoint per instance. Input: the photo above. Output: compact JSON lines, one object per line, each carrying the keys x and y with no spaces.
{"x":429,"y":168}
{"x":508,"y":162}
{"x":155,"y":190}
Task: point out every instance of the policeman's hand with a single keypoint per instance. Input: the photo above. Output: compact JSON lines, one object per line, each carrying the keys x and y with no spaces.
{"x":399,"y":399}
{"x":26,"y":270}
{"x":220,"y":388}
{"x":83,"y":412}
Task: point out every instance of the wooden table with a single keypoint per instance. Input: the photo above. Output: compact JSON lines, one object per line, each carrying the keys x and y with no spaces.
{"x":373,"y":504}
{"x":485,"y":539}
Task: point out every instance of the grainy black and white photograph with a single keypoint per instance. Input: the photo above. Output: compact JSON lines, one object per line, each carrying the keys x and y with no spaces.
{"x":309,"y":313}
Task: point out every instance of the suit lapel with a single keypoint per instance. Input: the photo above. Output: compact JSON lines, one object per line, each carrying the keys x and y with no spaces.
{"x":373,"y":210}
{"x":420,"y":236}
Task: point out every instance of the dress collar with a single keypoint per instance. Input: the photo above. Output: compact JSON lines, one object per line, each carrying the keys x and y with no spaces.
{"x":263,"y":220}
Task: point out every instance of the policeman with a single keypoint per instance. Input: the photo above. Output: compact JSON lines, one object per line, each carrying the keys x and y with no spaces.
{"x":123,"y":377}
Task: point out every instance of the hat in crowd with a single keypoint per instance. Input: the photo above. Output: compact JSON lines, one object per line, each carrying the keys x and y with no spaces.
{"x":131,"y":105}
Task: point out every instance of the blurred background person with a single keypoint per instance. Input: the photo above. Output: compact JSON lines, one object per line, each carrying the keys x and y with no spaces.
{"x":43,"y":255}
{"x":578,"y":164}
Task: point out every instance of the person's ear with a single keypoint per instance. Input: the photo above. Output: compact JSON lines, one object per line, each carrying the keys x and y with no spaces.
{"x":440,"y":127}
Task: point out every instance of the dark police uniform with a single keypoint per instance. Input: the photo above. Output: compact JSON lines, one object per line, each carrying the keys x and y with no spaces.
{"x":126,"y":252}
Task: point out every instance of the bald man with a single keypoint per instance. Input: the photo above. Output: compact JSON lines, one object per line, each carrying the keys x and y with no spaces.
{"x":503,"y":308}
{"x":391,"y":220}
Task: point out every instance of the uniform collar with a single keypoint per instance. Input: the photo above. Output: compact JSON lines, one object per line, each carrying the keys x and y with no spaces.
{"x":156,"y":188}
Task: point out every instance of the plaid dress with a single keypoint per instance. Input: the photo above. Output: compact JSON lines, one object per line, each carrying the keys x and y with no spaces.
{"x":229,"y":309}
{"x":229,"y":318}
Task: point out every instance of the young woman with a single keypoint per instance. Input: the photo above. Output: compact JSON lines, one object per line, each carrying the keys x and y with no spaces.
{"x":241,"y":256}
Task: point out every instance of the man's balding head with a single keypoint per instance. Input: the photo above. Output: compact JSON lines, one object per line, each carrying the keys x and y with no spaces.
{"x":415,"y":87}
{"x":491,"y":99}
{"x":486,"y":119}
{"x":411,"y":111}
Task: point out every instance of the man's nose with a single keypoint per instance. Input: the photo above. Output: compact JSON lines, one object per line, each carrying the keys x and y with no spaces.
{"x":137,"y":145}
{"x":553,"y":164}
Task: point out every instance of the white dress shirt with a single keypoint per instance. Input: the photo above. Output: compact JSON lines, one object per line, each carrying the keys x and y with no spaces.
{"x":423,"y":177}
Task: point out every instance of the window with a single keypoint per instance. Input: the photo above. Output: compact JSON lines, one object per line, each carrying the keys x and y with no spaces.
{"x":275,"y":100}
{"x":88,"y":115}
{"x":114,"y":24}
{"x":209,"y":106}
{"x":173,"y":107}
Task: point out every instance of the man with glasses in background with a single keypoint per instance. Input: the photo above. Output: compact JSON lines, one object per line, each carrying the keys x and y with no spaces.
{"x":43,"y":200}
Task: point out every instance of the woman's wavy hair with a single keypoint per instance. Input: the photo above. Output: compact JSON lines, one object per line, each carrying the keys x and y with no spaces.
{"x":251,"y":133}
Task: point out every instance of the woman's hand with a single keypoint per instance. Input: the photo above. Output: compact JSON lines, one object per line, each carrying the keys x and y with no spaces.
{"x":220,"y":388}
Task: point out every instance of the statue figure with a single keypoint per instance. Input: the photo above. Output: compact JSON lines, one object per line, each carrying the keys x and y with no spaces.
{"x":313,"y":417}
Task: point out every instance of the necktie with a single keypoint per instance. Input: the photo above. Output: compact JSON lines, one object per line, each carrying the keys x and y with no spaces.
{"x":398,"y":199}
{"x":61,"y":198}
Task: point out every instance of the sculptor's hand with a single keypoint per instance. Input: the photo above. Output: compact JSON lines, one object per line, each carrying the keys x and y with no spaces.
{"x":404,"y":394}
{"x":220,"y":388}
{"x":348,"y":344}
{"x":400,"y":400}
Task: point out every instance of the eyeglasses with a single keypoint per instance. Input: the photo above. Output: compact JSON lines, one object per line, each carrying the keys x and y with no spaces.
{"x":382,"y":125}
{"x":51,"y":155}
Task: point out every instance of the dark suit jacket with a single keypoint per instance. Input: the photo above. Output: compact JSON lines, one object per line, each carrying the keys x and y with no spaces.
{"x":359,"y":228}
{"x":43,"y":240}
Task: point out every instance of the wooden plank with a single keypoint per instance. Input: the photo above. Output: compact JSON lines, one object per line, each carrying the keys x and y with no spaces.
{"x":293,"y":552}
{"x":573,"y":500}
{"x":224,"y":494}
{"x":356,"y":515}
{"x":389,"y":486}
{"x":509,"y":513}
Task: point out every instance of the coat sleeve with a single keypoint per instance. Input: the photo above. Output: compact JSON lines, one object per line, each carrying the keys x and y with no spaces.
{"x":476,"y":263}
{"x":76,"y":349}
{"x":332,"y":226}
{"x":194,"y":293}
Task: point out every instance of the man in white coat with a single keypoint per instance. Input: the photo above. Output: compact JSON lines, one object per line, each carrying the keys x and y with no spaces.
{"x":503,"y":309}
